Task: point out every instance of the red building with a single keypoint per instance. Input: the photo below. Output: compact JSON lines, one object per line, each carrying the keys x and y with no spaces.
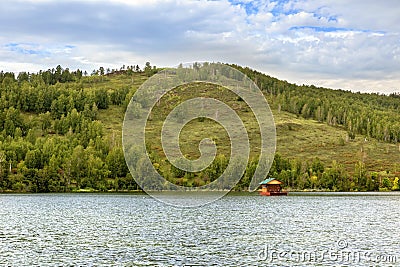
{"x":271,"y":187}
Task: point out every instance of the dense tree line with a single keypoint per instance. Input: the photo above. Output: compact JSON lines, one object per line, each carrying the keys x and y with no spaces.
{"x":315,"y":175}
{"x":50,"y":138}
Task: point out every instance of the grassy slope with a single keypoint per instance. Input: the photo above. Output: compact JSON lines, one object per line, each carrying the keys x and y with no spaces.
{"x":297,"y":138}
{"x":307,"y":139}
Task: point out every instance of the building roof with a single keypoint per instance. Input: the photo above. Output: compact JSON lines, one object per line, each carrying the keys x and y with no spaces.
{"x":270,"y":181}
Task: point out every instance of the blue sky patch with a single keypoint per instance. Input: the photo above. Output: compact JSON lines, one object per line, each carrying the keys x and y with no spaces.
{"x":27,"y":49}
{"x":35,"y":49}
{"x":320,"y":29}
{"x":279,"y":9}
{"x":333,"y":29}
{"x":250,"y":7}
{"x":253,"y":7}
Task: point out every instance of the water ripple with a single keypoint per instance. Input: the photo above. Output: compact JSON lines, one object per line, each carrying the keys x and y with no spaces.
{"x":135,"y":230}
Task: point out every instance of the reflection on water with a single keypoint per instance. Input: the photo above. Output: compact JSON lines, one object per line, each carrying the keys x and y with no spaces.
{"x":237,"y":230}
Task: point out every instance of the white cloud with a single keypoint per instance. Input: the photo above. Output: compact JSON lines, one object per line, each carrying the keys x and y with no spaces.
{"x":343,"y":44}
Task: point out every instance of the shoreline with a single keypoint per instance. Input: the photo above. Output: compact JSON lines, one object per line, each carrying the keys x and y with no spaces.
{"x":141,"y":192}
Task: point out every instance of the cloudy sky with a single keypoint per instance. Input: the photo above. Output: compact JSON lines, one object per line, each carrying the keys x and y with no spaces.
{"x":334,"y":43}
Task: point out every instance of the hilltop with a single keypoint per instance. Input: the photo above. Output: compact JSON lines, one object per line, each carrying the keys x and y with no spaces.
{"x":61,"y":132}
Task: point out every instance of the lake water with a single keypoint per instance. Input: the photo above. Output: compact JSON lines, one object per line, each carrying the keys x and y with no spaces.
{"x":237,"y":230}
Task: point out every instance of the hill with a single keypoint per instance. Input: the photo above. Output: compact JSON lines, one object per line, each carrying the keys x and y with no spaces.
{"x":61,"y":132}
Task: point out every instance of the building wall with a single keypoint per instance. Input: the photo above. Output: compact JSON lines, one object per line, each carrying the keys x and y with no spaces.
{"x":274,"y":188}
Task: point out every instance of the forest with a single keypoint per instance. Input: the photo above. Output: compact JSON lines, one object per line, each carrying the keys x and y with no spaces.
{"x":60,"y":131}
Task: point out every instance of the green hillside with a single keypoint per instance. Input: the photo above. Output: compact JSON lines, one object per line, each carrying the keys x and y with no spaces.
{"x":61,"y":131}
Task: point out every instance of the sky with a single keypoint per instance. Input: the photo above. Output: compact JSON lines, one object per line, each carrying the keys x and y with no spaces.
{"x":352,"y":45}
